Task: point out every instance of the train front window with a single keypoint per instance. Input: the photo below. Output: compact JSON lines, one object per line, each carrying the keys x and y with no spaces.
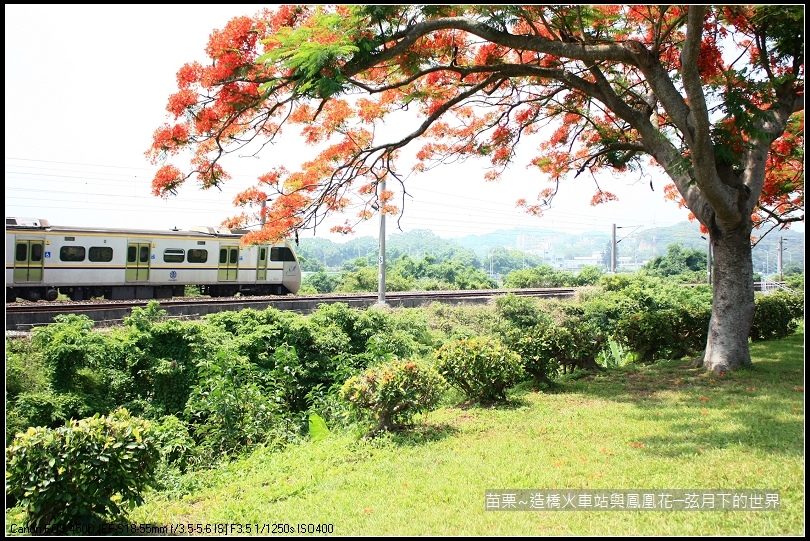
{"x":281,"y":254}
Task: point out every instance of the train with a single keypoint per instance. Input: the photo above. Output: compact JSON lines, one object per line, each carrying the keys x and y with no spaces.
{"x":44,"y":261}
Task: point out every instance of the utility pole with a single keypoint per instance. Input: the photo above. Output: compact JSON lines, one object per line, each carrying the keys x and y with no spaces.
{"x":613,"y":251}
{"x":381,"y":258}
{"x":780,"y":257}
{"x":709,"y":259}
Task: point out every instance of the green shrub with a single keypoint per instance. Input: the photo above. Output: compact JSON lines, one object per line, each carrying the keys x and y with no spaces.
{"x":229,"y":410}
{"x":481,"y":367}
{"x":775,"y":315}
{"x":519,"y":311}
{"x":344,"y":317}
{"x":795,"y":282}
{"x":540,"y":276}
{"x":393,"y":392}
{"x":25,"y":369}
{"x":671,"y":333}
{"x":461,"y":320}
{"x":38,"y":408}
{"x":588,"y":339}
{"x":540,"y":348}
{"x":67,"y":345}
{"x":85,"y":472}
{"x":144,"y":318}
{"x":650,"y":334}
{"x":245,"y":321}
{"x":174,"y":443}
{"x":397,"y":344}
{"x":46,"y":408}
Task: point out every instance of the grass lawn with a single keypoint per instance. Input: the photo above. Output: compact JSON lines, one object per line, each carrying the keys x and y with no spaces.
{"x":654,"y":427}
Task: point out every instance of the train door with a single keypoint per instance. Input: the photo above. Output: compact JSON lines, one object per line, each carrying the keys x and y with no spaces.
{"x":261,"y":264}
{"x":28,"y":260}
{"x":138,"y":255}
{"x":228,"y":263}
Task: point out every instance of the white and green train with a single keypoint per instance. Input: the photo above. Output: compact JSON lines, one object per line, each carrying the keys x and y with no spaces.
{"x":43,"y":260}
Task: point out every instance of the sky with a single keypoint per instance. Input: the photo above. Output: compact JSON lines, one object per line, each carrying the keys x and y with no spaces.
{"x":87,"y":85}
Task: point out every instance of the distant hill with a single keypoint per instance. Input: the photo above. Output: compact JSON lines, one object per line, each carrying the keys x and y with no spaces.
{"x":555,"y":247}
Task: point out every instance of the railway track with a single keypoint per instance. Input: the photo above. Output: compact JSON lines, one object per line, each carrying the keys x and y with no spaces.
{"x":21,"y":317}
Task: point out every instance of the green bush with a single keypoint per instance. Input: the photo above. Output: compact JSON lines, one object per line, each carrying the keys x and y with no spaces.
{"x":25,"y":369}
{"x":670,"y":333}
{"x":461,"y":321}
{"x":344,"y":317}
{"x":88,"y":471}
{"x":540,"y":276}
{"x":540,"y":348}
{"x":481,"y":367}
{"x":245,"y":321}
{"x":67,"y":345}
{"x":144,"y":318}
{"x":795,"y":281}
{"x":520,"y":311}
{"x":229,"y":409}
{"x":776,"y":314}
{"x":393,"y":392}
{"x":174,"y":443}
{"x":650,"y":334}
{"x":588,"y":341}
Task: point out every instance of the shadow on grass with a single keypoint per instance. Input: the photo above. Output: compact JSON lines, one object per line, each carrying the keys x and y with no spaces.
{"x":413,"y":435}
{"x":761,"y":407}
{"x":512,"y":402}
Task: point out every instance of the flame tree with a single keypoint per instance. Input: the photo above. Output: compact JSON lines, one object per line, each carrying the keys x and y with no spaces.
{"x":711,"y":97}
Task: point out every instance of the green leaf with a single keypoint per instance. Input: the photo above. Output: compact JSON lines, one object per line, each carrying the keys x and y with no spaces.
{"x":317,"y":427}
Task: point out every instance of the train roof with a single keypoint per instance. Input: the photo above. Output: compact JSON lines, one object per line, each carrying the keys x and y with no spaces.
{"x":32,"y":224}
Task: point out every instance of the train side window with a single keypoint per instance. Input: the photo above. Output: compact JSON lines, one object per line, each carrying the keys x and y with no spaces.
{"x":132,"y":253}
{"x":262,"y":253}
{"x":100,"y":254}
{"x":22,"y":252}
{"x":71,"y":253}
{"x":281,"y":254}
{"x":234,"y":256}
{"x":144,"y":254}
{"x":223,"y":255}
{"x":197,"y":256}
{"x":173,"y":255}
{"x":36,"y":252}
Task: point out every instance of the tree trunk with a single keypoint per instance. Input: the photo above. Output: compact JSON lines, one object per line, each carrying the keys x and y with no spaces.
{"x":732,"y":302}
